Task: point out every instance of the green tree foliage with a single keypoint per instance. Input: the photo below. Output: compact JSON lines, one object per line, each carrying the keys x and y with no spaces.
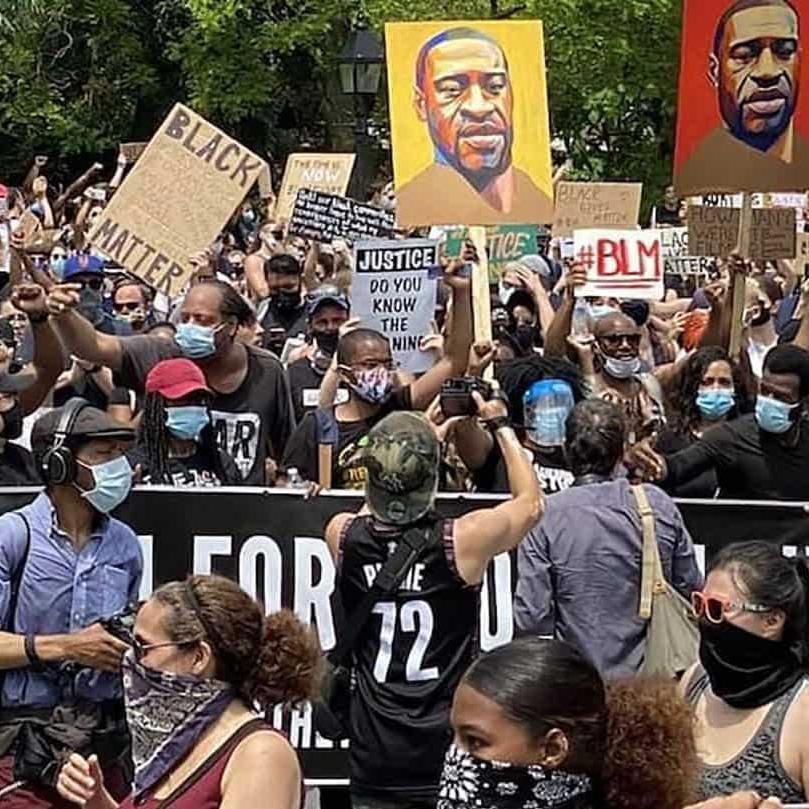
{"x":80,"y":76}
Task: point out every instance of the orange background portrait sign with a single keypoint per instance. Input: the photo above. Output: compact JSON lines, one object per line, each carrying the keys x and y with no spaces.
{"x":743,"y":107}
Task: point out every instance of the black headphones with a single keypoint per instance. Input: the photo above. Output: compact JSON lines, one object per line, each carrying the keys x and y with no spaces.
{"x":58,"y":464}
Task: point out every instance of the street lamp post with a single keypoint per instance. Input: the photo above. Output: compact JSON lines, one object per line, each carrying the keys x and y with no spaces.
{"x":360,"y":63}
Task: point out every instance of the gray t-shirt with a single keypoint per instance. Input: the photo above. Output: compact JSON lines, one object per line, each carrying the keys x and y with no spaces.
{"x":251,"y":424}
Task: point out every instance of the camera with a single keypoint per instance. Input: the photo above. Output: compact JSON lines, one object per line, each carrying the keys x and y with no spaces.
{"x":456,"y":395}
{"x":122,"y":624}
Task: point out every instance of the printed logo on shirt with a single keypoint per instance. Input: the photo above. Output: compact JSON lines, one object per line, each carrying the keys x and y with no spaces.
{"x":553,"y":480}
{"x":352,"y":471}
{"x":238,"y":435}
{"x":311,"y":396}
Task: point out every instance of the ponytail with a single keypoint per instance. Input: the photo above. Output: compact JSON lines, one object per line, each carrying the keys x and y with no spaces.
{"x":802,"y":570}
{"x":651,"y":760}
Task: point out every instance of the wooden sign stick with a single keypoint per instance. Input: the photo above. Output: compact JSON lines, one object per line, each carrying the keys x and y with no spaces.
{"x":740,"y":280}
{"x":481,"y":303}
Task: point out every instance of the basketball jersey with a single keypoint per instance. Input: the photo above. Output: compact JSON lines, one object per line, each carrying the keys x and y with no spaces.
{"x":408,"y":660}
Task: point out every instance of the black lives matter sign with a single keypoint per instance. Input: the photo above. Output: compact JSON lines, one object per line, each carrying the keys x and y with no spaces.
{"x":322,"y":217}
{"x":174,"y":203}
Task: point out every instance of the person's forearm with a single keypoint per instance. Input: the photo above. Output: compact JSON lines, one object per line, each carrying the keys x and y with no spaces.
{"x":75,"y":188}
{"x":310,"y":267}
{"x":559,"y":329}
{"x":522,"y":482}
{"x":47,"y":362}
{"x":473,"y":442}
{"x":120,"y":168}
{"x":802,"y":337}
{"x":546,"y":312}
{"x":328,"y":388}
{"x":256,"y":279}
{"x":79,"y":337}
{"x":47,"y":213}
{"x":49,"y":649}
{"x":458,"y":341}
{"x":712,"y":336}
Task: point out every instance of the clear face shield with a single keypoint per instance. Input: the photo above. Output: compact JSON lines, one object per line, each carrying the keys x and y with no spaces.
{"x":546,"y":406}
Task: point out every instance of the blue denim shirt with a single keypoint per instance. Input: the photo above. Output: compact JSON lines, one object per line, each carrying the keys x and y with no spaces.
{"x":63,"y":591}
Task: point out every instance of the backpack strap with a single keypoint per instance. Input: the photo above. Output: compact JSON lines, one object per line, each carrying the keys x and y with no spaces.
{"x":387,"y":581}
{"x":326,"y":435}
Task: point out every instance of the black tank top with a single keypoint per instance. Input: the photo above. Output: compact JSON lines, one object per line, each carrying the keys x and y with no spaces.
{"x":408,"y":660}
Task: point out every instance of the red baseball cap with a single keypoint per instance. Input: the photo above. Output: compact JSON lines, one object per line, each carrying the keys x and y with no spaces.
{"x":176,"y":378}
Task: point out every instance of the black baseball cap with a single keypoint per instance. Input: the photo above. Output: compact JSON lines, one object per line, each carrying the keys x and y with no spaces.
{"x":91,"y":423}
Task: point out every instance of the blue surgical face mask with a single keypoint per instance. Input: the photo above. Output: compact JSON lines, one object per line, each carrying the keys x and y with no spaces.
{"x":774,"y":416}
{"x":196,"y":342}
{"x":622,"y":369}
{"x":187,"y":422}
{"x":598,"y":310}
{"x":713,"y":403}
{"x":504,"y":292}
{"x":112,"y":482}
{"x":57,"y":266}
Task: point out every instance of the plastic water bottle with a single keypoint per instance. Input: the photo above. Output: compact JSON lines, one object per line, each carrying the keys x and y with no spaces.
{"x":580,"y":322}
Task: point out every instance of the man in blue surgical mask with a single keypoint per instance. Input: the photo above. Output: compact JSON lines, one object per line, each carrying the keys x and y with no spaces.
{"x":66,"y":567}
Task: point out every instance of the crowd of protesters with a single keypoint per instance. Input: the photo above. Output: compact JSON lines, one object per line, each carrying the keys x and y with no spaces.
{"x":258,"y":375}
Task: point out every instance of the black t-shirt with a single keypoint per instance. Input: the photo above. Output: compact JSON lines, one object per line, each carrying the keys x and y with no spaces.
{"x":293,"y":323}
{"x":304,"y":387}
{"x":17,"y":466}
{"x":192,"y":471}
{"x":250,"y":424}
{"x":347,"y":470}
{"x":408,"y":660}
{"x":549,"y":467}
{"x":667,"y":216}
{"x":750,"y":463}
{"x":703,"y":485}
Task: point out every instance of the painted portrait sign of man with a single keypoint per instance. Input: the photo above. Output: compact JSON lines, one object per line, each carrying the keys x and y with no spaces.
{"x":754,"y":67}
{"x":462,"y":92}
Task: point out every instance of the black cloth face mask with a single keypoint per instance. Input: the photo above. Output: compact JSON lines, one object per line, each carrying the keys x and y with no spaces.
{"x":286,"y":301}
{"x":746,"y":671}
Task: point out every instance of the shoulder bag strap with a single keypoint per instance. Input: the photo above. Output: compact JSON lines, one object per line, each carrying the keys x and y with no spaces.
{"x":387,"y":581}
{"x":17,"y":574}
{"x":650,"y":566}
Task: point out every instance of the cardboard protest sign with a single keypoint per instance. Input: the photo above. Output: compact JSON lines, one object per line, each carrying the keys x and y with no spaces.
{"x":715,"y":232}
{"x":742,"y":124}
{"x":504,"y":244}
{"x":469,"y":122}
{"x":620,"y":263}
{"x":132,"y":151}
{"x":595,"y":205}
{"x":323,"y":217}
{"x":330,"y":173}
{"x":392,"y":292}
{"x":175,"y":200}
{"x":677,"y":257}
{"x":802,"y":247}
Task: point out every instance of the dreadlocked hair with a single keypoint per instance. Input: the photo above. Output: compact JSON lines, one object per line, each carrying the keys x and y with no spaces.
{"x":684,"y":400}
{"x":516,"y":376}
{"x":154,"y":439}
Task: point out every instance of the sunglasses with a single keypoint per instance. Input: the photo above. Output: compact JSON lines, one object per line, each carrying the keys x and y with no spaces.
{"x":127,"y":307}
{"x":715,"y":609}
{"x":140,"y":650}
{"x":614,"y":340}
{"x":93,"y":283}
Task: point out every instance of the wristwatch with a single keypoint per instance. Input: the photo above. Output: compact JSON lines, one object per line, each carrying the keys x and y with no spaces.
{"x":40,"y":318}
{"x":496,"y":423}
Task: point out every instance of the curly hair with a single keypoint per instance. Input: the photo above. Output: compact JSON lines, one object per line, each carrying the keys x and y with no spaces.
{"x":651,"y":760}
{"x":270,"y":660}
{"x":684,"y":400}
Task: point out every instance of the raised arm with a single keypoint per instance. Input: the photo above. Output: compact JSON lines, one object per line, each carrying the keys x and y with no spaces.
{"x":76,"y":187}
{"x":481,"y":535}
{"x":458,"y":340}
{"x":556,"y":344}
{"x":77,"y":334}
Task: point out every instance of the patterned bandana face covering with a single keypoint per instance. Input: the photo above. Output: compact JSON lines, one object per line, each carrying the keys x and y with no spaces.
{"x":166,"y":714}
{"x":468,"y":782}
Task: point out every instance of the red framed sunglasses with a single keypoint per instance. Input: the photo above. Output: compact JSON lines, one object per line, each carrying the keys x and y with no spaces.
{"x":715,"y":608}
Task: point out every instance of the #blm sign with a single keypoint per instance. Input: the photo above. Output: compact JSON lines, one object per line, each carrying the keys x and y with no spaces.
{"x":504,"y":244}
{"x":620,"y":263}
{"x":595,"y":205}
{"x":323,"y":217}
{"x":176,"y":200}
{"x":319,"y":172}
{"x":715,"y":232}
{"x":677,"y":257}
{"x":392,"y":292}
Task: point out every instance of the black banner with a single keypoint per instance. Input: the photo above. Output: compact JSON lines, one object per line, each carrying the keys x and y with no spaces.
{"x":271,"y":542}
{"x":322,"y":217}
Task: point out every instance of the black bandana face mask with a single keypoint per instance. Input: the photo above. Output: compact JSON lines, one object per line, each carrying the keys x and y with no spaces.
{"x":468,"y":782}
{"x":746,"y":671}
